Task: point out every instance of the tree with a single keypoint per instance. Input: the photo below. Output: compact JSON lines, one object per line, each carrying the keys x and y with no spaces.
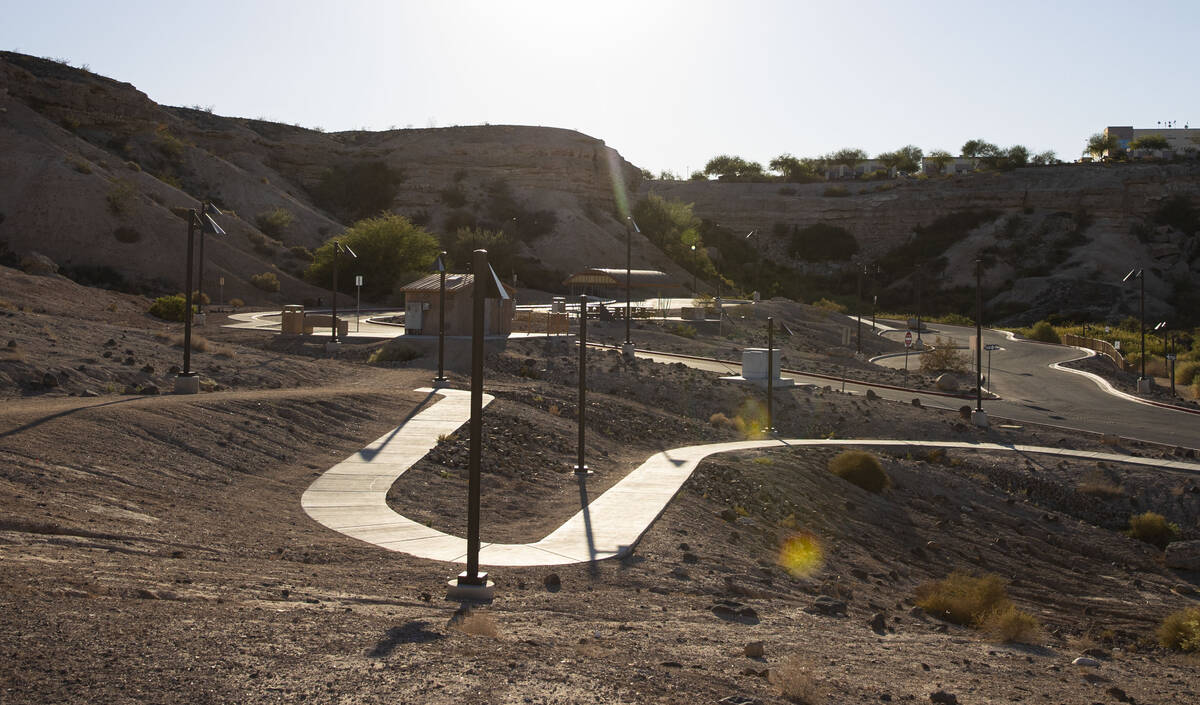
{"x":850,"y":156}
{"x":1045,"y":158}
{"x":730,"y":168}
{"x":796,"y":169}
{"x":389,"y":248}
{"x":357,"y":190}
{"x":940,"y":157}
{"x":1150,"y":142}
{"x":674,"y":228}
{"x":906,"y":159}
{"x":1017,"y":155}
{"x":464,"y":241}
{"x":1100,"y":145}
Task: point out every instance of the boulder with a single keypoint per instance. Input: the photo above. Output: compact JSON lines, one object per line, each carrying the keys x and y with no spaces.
{"x":1183,"y":555}
{"x":39,"y":264}
{"x":947,"y":382}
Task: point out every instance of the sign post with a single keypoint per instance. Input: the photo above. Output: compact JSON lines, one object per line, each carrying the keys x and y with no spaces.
{"x":221,"y":290}
{"x":990,"y":347}
{"x":357,"y":300}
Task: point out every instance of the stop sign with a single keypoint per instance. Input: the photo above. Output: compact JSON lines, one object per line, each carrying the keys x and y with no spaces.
{"x":908,"y":340}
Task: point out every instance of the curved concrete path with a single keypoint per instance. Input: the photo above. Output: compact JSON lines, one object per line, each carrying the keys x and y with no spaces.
{"x":351,"y":497}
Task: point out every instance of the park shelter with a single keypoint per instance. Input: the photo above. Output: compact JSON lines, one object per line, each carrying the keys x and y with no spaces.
{"x":612,"y":281}
{"x":421,"y":307}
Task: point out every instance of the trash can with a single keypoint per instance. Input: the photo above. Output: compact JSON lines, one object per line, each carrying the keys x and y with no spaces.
{"x":293,"y":320}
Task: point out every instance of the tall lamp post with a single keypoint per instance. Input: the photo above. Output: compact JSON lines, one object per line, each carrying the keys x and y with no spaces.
{"x":917,"y":281}
{"x":980,"y":418}
{"x":694,"y":292}
{"x":338,"y":248}
{"x":630,"y":228}
{"x":205,"y":207}
{"x":439,"y":265}
{"x":1143,"y":384}
{"x":187,"y":382}
{"x":1159,"y":327}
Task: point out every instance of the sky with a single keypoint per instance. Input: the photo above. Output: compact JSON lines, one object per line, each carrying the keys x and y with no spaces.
{"x":667,"y":83}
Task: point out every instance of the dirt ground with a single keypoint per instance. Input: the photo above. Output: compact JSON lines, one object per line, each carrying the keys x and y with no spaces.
{"x":154,"y":549}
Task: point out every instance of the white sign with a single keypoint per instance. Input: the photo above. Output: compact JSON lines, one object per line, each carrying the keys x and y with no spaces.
{"x":991,"y":346}
{"x":1171,"y":356}
{"x":908,"y":340}
{"x":358,"y":280}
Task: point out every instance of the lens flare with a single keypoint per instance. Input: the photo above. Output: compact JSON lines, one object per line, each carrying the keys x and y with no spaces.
{"x":801,"y":555}
{"x":618,"y":182}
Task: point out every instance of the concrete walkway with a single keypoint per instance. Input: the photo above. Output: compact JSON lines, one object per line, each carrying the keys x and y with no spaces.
{"x":351,"y":497}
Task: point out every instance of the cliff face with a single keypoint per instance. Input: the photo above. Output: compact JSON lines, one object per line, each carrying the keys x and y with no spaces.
{"x":93,"y":167}
{"x":1115,"y":206}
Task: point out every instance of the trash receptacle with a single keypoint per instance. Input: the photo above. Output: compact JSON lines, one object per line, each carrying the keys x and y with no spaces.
{"x":293,"y":320}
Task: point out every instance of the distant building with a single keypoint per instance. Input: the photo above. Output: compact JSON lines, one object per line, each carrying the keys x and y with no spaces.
{"x":612,"y":281}
{"x":839,"y":172}
{"x":957,"y":165}
{"x":1179,"y":140}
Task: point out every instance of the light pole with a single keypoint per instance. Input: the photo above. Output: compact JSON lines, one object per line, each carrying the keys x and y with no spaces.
{"x":439,"y":265}
{"x":694,"y":292}
{"x":1160,"y":327}
{"x":581,"y":467}
{"x":204,"y":208}
{"x":917,"y":281}
{"x":1143,"y":384}
{"x":770,"y":371}
{"x":980,"y":417}
{"x":630,"y":228}
{"x":338,"y":248}
{"x":187,"y":382}
{"x":858,"y":309}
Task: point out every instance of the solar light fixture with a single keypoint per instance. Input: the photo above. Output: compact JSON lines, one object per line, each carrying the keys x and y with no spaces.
{"x":1140,"y":274}
{"x":187,"y":382}
{"x":209,"y":226}
{"x":338,"y":248}
{"x":629,"y":275}
{"x":439,"y":266}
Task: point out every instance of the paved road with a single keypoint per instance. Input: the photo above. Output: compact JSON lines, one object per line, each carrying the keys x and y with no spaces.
{"x":1030,"y":390}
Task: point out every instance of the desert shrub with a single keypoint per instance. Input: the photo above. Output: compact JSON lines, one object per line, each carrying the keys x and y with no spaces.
{"x":956,"y":319}
{"x":357,"y":190}
{"x":860,"y":468}
{"x":1043,"y":331}
{"x":301,"y":252}
{"x":454,"y":196}
{"x":275,"y":223}
{"x":827,"y":305}
{"x":963,"y":598}
{"x":1181,"y":630}
{"x":169,"y":308}
{"x":681,"y":329}
{"x":1152,"y":528}
{"x":127,"y":234}
{"x":121,"y":197}
{"x":794,"y":681}
{"x":719,"y":420}
{"x":236,"y":303}
{"x":944,"y":358}
{"x":168,"y":144}
{"x":1185,"y":372}
{"x":1097,"y":484}
{"x":394,"y":352}
{"x":1008,"y":623}
{"x":835,"y":191}
{"x":267,"y":281}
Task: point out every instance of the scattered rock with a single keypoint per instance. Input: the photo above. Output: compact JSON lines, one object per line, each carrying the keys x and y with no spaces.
{"x":754,"y":649}
{"x":1183,"y":555}
{"x":739,"y":700}
{"x":827,"y":606}
{"x":1098,"y":653}
{"x":1086,"y":661}
{"x":1118,"y":694}
{"x":728,"y":514}
{"x":735,"y":612}
{"x":878,"y":623}
{"x":659,"y":590}
{"x":38,"y":264}
{"x":680,"y":573}
{"x":89,"y":393}
{"x":916,"y":613}
{"x":916,"y":402}
{"x":49,"y":380}
{"x":148,"y":369}
{"x":12,"y":343}
{"x":1094,"y":678}
{"x":691,"y":558}
{"x":943,"y":698}
{"x":149,"y":389}
{"x":946,"y":382}
{"x":552,"y":582}
{"x":872,"y":395}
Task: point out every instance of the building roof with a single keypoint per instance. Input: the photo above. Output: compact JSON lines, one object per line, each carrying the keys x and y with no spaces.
{"x":432,"y":283}
{"x":638,"y":278}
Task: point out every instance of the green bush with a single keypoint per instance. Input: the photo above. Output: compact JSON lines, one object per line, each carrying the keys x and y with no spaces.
{"x":860,"y":468}
{"x":169,"y":308}
{"x":275,"y":222}
{"x":828,"y":305}
{"x":1152,"y":528}
{"x":682,"y":330}
{"x":391,"y":250}
{"x":1043,"y":331}
{"x":121,"y":197}
{"x":267,"y":281}
{"x":1185,"y":372}
{"x":1181,"y":630}
{"x":236,"y":303}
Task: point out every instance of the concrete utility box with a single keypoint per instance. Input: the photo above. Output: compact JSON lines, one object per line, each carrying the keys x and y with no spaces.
{"x":692,"y":313}
{"x":754,"y":363}
{"x":293,"y":320}
{"x":558,"y":305}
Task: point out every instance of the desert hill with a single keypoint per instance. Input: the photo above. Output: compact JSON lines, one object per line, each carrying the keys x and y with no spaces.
{"x":93,"y":168}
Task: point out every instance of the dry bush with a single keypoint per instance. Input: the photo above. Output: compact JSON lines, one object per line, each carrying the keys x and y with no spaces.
{"x":1098,"y":484}
{"x":860,"y":468}
{"x":394,"y":352}
{"x":1181,"y":630}
{"x":1153,"y":528}
{"x":477,"y":623}
{"x":220,"y":350}
{"x":794,"y":681}
{"x":175,"y":340}
{"x":963,"y":598}
{"x":719,"y":420}
{"x":1011,"y":624}
{"x":944,"y":358}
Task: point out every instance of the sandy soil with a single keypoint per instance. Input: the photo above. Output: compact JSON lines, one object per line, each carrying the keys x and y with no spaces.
{"x":154,"y":549}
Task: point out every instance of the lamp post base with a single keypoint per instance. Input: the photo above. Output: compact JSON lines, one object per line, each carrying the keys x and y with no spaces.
{"x":440,"y":381}
{"x":333,"y":346}
{"x":979,"y":418}
{"x":467,"y":589}
{"x":627,"y":350}
{"x":583,"y":472}
{"x":187,"y":384}
{"x":1144,"y":385}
